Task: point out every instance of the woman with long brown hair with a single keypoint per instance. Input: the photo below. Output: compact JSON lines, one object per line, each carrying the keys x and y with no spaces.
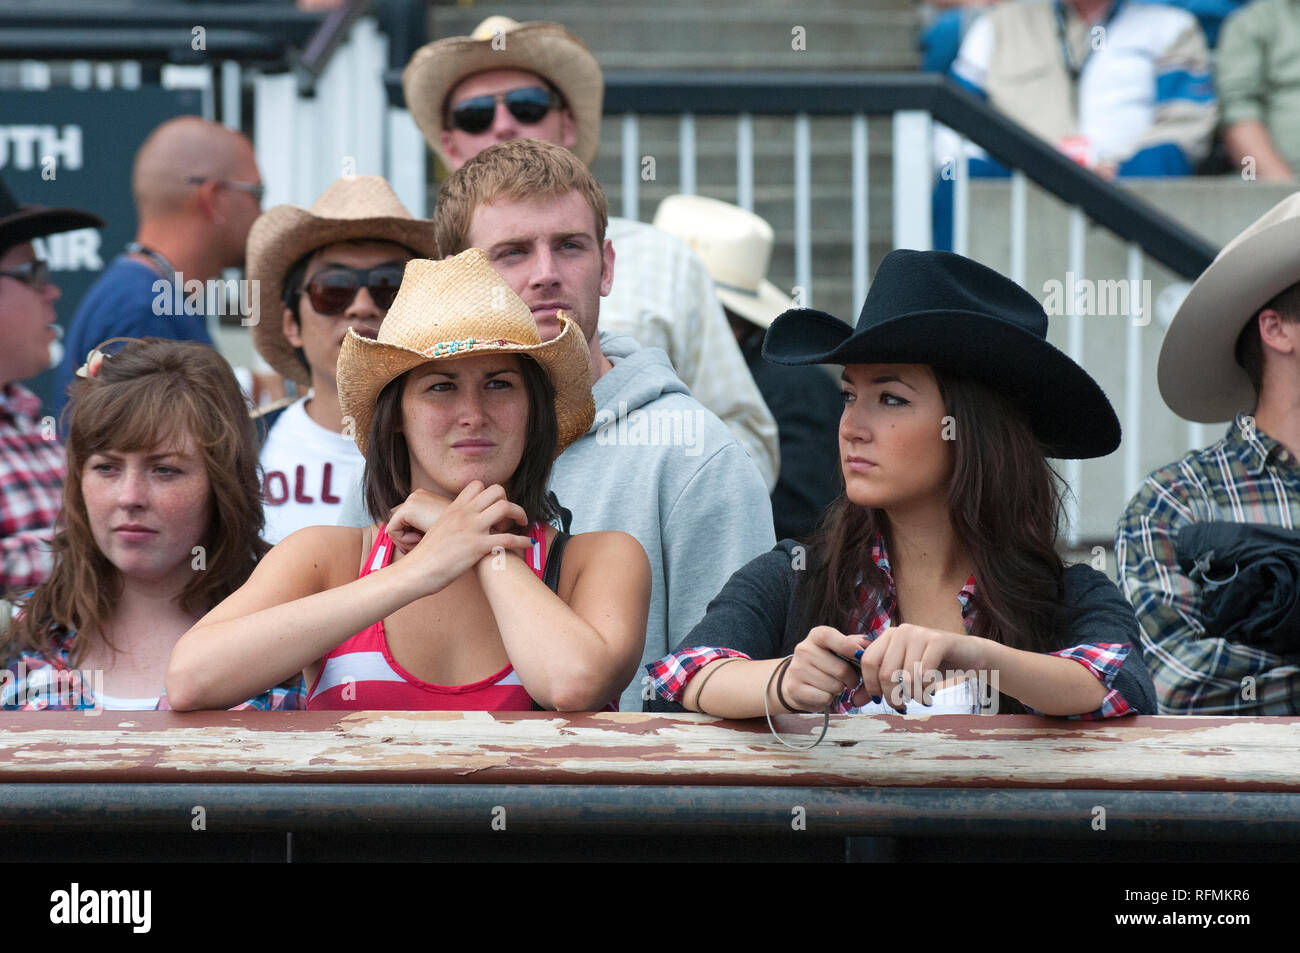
{"x":933,"y":583}
{"x":161,"y":520}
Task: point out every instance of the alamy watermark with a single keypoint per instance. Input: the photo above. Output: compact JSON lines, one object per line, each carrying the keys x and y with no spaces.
{"x":219,"y":297}
{"x":1109,"y":297}
{"x":651,"y":428}
{"x":59,"y":688}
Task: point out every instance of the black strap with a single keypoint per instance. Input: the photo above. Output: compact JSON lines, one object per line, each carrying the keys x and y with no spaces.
{"x":1075,"y":70}
{"x":551,"y":574}
{"x":566,"y":516}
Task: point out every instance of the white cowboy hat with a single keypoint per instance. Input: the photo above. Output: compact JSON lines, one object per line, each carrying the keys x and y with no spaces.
{"x":454,"y":308}
{"x":359,"y":207}
{"x":736,"y":247}
{"x":1198,"y":373}
{"x":547,"y":49}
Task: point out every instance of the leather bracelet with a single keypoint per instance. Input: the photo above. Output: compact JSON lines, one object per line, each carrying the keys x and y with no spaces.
{"x":699,"y":694}
{"x":826,"y":715}
{"x":780,"y":696}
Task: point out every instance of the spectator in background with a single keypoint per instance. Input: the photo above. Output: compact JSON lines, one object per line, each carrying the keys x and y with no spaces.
{"x":197,"y":191}
{"x":945,"y":23}
{"x":1258,"y":76}
{"x":509,"y":80}
{"x":1210,"y":14}
{"x":32,"y":466}
{"x":321,"y":272}
{"x":1232,"y":352}
{"x":736,"y":246}
{"x":1123,"y":88}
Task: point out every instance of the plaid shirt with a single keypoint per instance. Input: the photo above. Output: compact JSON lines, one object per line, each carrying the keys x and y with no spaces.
{"x":1247,"y":477}
{"x":874,"y":614}
{"x":36,"y":681}
{"x":32,"y":469}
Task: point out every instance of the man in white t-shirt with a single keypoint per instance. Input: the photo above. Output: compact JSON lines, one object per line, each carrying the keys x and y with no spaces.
{"x":320,"y":272}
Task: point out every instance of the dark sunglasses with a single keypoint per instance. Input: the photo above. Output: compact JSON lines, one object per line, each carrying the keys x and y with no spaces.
{"x":34,"y":274}
{"x":528,"y":106}
{"x":333,"y":290}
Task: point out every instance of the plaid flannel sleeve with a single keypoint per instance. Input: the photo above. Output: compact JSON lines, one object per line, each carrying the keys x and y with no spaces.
{"x":669,"y":675}
{"x":1104,"y":660}
{"x":1193,"y":672}
{"x":287,"y":696}
{"x":33,"y":682}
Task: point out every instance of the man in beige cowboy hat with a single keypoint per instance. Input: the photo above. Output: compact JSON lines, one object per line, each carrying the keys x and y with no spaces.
{"x":320,"y":272}
{"x":1201,"y":532}
{"x":537,"y":80}
{"x":736,"y":246}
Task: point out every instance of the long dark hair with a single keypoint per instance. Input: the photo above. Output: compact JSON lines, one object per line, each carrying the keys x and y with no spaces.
{"x":387,"y":476}
{"x":145,"y":396}
{"x":1005,"y":504}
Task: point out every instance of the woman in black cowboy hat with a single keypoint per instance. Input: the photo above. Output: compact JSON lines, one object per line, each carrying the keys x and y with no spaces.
{"x":933,"y":583}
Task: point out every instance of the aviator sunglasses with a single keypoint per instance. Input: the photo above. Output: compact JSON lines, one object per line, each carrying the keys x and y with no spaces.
{"x":34,"y":274}
{"x":333,"y":290}
{"x":529,"y":106}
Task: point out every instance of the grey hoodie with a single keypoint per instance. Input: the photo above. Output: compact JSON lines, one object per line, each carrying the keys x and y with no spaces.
{"x":659,"y":466}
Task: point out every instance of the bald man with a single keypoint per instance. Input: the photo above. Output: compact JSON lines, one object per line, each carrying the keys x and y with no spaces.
{"x":197,"y":191}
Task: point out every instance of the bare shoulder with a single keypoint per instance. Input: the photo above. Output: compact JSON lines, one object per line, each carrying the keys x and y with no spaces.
{"x":612,"y":549}
{"x":328,"y":554}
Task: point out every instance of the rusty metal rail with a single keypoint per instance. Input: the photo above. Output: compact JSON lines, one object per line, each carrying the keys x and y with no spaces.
{"x":1154,"y":780}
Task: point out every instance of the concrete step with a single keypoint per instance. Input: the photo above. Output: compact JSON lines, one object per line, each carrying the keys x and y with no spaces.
{"x":688,"y":36}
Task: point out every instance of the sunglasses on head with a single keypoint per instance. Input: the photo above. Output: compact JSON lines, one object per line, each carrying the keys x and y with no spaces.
{"x":529,"y":106}
{"x":34,"y":274}
{"x":331,"y":291}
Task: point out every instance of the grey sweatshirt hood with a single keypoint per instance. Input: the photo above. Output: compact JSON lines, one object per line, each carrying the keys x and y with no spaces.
{"x":640,"y":375}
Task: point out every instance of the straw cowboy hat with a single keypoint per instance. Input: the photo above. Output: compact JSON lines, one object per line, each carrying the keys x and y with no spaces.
{"x":454,"y":308}
{"x":1198,"y":372}
{"x":736,"y":247}
{"x":940,"y":309}
{"x":359,"y":207}
{"x":547,"y":49}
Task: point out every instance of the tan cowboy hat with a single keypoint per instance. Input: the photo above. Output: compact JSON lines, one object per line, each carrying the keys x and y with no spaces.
{"x":736,"y":247}
{"x":547,"y":49}
{"x":354,"y":207}
{"x":1198,"y":373}
{"x":454,"y":308}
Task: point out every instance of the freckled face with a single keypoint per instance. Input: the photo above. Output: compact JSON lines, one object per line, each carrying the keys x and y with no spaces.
{"x":891,"y":436}
{"x":464,"y":420}
{"x":148,"y":509}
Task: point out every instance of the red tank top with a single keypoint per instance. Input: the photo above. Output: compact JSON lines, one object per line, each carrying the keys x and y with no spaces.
{"x":361,"y":674}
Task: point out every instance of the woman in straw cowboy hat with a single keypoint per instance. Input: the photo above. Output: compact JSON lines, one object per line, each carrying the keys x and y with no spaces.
{"x":933,"y":581}
{"x":457,"y":597}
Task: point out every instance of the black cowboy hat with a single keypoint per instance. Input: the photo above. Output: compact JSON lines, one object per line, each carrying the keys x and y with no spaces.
{"x":22,"y":223}
{"x":954,"y":314}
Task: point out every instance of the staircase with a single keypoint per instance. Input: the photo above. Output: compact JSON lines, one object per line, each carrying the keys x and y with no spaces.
{"x":757,"y":35}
